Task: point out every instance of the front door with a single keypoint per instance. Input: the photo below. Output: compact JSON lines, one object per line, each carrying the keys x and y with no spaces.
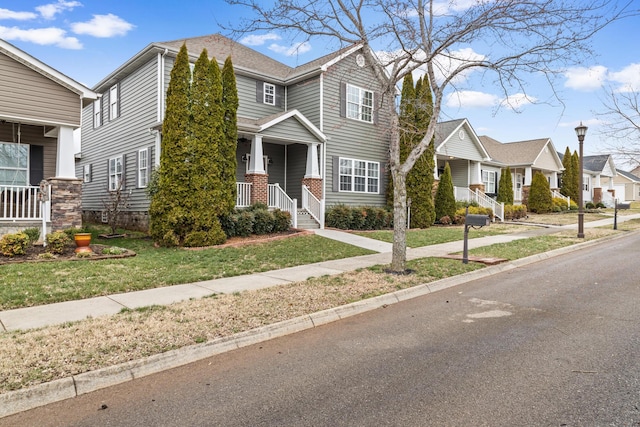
{"x":517,"y":193}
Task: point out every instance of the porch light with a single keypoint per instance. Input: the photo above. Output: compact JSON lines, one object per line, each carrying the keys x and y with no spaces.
{"x":581,"y":131}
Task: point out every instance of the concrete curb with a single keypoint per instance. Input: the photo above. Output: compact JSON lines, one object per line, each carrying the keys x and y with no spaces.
{"x":76,"y":385}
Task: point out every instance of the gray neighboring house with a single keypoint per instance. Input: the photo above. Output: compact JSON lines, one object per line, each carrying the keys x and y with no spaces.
{"x":308,"y":136}
{"x":39,"y":110}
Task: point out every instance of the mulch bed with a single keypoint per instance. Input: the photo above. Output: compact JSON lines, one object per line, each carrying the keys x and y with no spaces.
{"x":34,"y":255}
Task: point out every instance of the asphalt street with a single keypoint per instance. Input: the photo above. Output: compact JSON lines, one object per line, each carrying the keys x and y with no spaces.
{"x":554,"y":343}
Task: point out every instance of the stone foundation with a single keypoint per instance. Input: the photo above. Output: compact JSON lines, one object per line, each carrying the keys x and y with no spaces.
{"x":66,"y":201}
{"x":474,"y":187}
{"x":135,"y":221}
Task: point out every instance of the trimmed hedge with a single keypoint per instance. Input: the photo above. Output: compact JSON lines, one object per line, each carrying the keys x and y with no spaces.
{"x":474,"y":210}
{"x":514,"y":212}
{"x":14,"y":244}
{"x":358,"y":217}
{"x":256,"y":219}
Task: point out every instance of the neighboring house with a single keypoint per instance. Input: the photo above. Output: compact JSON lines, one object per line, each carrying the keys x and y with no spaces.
{"x":312,"y":133}
{"x":598,"y":174}
{"x":39,"y":110}
{"x":627,"y":186}
{"x":525,"y":158}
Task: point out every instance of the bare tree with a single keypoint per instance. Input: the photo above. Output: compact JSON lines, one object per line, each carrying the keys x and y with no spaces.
{"x":520,"y":37}
{"x":622,"y":124}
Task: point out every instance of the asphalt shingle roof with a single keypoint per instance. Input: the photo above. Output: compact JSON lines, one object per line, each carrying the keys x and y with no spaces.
{"x":628,"y":175}
{"x":514,"y":153}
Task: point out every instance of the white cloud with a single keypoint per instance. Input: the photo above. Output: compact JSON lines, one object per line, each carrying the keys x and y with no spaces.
{"x":103,"y":26}
{"x":42,"y":36}
{"x":471,"y":99}
{"x":628,"y":79}
{"x":49,"y":11}
{"x":255,"y":40}
{"x":18,"y":16}
{"x":517,"y":101}
{"x":585,"y":79}
{"x":445,"y":7}
{"x":295,"y":49}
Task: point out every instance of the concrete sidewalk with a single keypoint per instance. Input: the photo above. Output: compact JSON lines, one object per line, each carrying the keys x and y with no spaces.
{"x":52,"y":314}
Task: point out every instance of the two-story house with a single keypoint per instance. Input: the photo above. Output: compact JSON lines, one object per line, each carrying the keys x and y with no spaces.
{"x":307,"y":136}
{"x":40,"y":108}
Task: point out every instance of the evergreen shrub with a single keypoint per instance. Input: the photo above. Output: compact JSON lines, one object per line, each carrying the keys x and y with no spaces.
{"x":540,"y":199}
{"x":559,"y":204}
{"x":33,"y":233}
{"x":358,"y":217}
{"x":514,"y":212}
{"x":57,"y":242}
{"x":14,"y":244}
{"x":262,"y":221}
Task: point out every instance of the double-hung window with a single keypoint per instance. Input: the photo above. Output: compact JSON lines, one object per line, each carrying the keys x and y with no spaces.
{"x":269,"y":94}
{"x":14,"y":163}
{"x":143,"y":167}
{"x":115,"y":173}
{"x":113,"y":102}
{"x":359,"y":104}
{"x":359,"y":176}
{"x":97,"y":113}
{"x":489,"y":181}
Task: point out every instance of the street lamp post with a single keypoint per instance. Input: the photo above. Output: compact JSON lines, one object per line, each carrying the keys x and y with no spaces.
{"x":581,"y":131}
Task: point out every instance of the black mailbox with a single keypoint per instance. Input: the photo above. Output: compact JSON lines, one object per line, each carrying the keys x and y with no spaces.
{"x":624,"y":206}
{"x":477,"y":220}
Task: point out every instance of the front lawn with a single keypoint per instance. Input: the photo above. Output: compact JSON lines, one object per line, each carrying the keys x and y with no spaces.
{"x":30,"y":284}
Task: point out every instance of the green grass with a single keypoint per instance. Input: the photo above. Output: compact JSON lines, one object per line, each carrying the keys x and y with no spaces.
{"x":525,"y":247}
{"x":436,"y":235}
{"x":31,"y":284}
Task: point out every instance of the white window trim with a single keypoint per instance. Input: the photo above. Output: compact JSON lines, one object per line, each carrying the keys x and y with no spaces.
{"x":368,"y":178}
{"x":86,"y":173}
{"x":486,"y":181}
{"x":97,"y":113}
{"x":18,"y":168}
{"x":269,"y":90}
{"x":115,"y":176}
{"x":143,"y":168}
{"x":114,"y":108}
{"x":360,"y":104}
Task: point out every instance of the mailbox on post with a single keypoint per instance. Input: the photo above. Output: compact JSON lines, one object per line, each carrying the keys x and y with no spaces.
{"x":477,"y":220}
{"x":615,"y":212}
{"x":472,"y":220}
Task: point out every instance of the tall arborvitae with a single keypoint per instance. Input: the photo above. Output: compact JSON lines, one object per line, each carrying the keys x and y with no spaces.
{"x":416,"y":106}
{"x":540,"y":200}
{"x":569,"y":176}
{"x":168,"y":218}
{"x":206,"y":134}
{"x":420,"y":178}
{"x":575,"y":185}
{"x":505,"y":187}
{"x":228,"y":143}
{"x":445,"y":201}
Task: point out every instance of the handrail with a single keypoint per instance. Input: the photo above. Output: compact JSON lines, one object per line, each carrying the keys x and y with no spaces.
{"x":243,"y":194}
{"x":557,"y":194}
{"x":279,"y":199}
{"x":312,"y":205}
{"x":20,"y":202}
{"x":487,"y":202}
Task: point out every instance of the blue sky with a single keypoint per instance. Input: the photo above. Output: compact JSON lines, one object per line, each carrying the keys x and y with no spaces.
{"x":87,"y":39}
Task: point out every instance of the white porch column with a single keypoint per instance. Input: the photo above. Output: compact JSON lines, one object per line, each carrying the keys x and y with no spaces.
{"x":597,"y":184}
{"x":65,"y":156}
{"x":611,"y":187}
{"x":256,"y":162}
{"x":312,"y":171}
{"x":527,"y":176}
{"x":435,"y":169}
{"x":554,"y":179}
{"x":475,"y":174}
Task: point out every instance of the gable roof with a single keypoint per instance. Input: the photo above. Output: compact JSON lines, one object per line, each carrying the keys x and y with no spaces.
{"x":446,"y":130}
{"x":515,"y":153}
{"x":628,"y":175}
{"x":598,"y":163}
{"x":49,"y":72}
{"x":245,"y":60}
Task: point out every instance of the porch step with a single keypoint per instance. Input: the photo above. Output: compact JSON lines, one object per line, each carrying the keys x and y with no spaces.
{"x":306,"y":221}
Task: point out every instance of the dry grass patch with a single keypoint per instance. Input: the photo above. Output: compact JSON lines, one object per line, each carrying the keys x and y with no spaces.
{"x":37,"y":356}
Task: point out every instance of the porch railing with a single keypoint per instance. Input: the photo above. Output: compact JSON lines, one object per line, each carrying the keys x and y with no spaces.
{"x":557,"y":194}
{"x":468,"y":195}
{"x":243,"y":194}
{"x":312,"y":205}
{"x":19,"y":202}
{"x":279,"y":199}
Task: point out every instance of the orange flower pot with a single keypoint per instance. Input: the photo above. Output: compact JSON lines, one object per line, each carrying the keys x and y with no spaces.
{"x":83,"y":240}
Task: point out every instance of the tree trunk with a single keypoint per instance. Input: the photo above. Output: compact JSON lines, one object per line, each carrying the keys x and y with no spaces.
{"x":399,"y":249}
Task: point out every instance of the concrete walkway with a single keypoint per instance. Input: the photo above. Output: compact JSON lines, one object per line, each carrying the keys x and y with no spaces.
{"x":52,"y":314}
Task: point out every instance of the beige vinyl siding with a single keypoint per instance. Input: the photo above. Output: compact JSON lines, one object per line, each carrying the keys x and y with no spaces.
{"x":546,"y":160}
{"x":27,"y":94}
{"x":305,"y":97}
{"x":351,"y":138}
{"x":463,"y":148}
{"x":33,"y":135}
{"x":125,"y":136}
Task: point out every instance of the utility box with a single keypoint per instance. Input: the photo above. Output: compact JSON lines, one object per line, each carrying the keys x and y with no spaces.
{"x":476,"y":220}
